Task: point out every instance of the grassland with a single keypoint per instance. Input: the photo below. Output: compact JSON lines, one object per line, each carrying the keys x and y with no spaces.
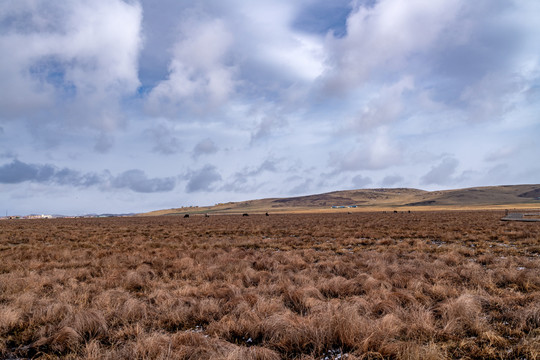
{"x":401,"y":199}
{"x":420,"y":285}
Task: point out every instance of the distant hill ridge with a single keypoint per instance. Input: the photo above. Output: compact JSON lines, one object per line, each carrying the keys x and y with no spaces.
{"x":383,"y":198}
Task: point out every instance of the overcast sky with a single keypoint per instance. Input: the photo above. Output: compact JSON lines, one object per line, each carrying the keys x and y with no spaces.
{"x":111,"y":106}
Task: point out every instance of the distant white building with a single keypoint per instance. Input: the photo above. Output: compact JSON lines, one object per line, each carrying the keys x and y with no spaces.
{"x":39,"y":216}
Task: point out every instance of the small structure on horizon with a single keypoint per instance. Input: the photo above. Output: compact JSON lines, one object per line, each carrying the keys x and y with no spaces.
{"x":528,"y":217}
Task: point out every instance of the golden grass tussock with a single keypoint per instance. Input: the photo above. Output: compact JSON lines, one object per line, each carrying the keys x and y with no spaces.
{"x":463,"y":316}
{"x":420,"y":285}
{"x":9,"y":318}
{"x":253,"y":353}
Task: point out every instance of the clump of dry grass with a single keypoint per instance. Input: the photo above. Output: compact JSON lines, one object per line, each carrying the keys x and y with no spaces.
{"x":361,"y":286}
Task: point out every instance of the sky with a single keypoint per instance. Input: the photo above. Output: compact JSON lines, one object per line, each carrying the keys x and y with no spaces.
{"x":111,"y":106}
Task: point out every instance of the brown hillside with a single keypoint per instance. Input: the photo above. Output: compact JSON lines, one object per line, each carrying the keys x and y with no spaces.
{"x":382,"y":199}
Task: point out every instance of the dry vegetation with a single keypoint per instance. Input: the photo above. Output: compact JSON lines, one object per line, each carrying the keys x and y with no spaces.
{"x":359,"y":286}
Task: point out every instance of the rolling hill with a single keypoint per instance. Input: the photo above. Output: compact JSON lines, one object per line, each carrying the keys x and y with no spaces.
{"x":488,"y":197}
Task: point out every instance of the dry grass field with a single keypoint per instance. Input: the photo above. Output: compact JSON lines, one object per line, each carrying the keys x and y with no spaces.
{"x":420,"y":285}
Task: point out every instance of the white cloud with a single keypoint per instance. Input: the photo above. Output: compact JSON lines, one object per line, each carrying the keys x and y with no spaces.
{"x":275,"y":44}
{"x":384,"y":108}
{"x":381,"y":39}
{"x":199,"y":76}
{"x":81,"y":56}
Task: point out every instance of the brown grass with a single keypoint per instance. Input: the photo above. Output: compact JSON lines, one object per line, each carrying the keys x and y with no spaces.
{"x":433,"y":285}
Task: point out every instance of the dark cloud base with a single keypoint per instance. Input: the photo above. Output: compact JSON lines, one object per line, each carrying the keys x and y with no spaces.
{"x":18,"y":172}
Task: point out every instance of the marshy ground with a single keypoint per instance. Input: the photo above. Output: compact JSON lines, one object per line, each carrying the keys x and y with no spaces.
{"x":420,"y":285}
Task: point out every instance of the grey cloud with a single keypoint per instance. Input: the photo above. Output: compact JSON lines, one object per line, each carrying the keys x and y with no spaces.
{"x":269,"y":165}
{"x":241,"y":179}
{"x":104,"y":143}
{"x":71,"y":177}
{"x":18,"y":172}
{"x":8,"y":154}
{"x":137,"y":181}
{"x":164,"y":140}
{"x":360,"y":181}
{"x":202,"y":179}
{"x":391,"y":180}
{"x":479,"y":46}
{"x":266,"y":127}
{"x":441,"y":174}
{"x":204,"y":147}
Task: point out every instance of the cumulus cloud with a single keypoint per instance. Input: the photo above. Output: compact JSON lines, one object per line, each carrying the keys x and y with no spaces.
{"x":137,"y":181}
{"x":441,"y":174}
{"x":73,"y":61}
{"x":204,"y":147}
{"x":382,"y":37}
{"x":202,"y":179}
{"x":199,"y":77}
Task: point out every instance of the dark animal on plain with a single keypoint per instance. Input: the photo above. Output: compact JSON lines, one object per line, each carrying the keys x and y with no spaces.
{"x":245,"y":214}
{"x":267,"y":214}
{"x":395,"y":211}
{"x":206,"y":215}
{"x":186,"y":216}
